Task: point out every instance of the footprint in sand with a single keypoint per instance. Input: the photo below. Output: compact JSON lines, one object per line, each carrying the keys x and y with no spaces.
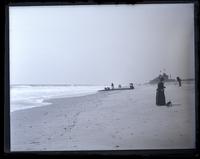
{"x":34,"y":142}
{"x":132,"y":133}
{"x":113,"y":136}
{"x":30,"y":126}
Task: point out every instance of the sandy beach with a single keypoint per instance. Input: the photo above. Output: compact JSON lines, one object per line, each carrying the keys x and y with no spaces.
{"x":115,"y":120}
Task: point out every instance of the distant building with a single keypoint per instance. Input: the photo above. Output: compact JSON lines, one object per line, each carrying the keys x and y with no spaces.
{"x":165,"y":76}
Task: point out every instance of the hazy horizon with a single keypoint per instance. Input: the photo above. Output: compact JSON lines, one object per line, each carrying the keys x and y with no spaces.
{"x":68,"y":84}
{"x":98,"y":45}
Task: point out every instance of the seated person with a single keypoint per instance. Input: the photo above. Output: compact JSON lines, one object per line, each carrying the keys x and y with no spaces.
{"x":131,"y":86}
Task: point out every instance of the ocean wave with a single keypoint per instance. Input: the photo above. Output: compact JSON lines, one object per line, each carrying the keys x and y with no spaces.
{"x":24,"y":97}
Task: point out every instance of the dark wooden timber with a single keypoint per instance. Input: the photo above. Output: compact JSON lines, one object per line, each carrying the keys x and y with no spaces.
{"x":120,"y":89}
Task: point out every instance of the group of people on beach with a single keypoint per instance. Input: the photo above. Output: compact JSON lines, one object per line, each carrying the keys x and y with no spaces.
{"x":119,"y":86}
{"x":160,"y":95}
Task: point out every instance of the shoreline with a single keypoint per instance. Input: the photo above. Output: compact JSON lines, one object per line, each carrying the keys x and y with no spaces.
{"x":46,"y":102}
{"x":117,"y":120}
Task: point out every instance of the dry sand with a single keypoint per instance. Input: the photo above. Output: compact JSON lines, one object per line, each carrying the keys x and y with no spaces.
{"x":115,"y":120}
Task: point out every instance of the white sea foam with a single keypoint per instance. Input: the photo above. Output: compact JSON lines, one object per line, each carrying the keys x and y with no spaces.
{"x":26,"y":96}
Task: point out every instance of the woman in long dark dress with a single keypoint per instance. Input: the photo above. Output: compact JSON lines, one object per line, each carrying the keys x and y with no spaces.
{"x":160,"y":95}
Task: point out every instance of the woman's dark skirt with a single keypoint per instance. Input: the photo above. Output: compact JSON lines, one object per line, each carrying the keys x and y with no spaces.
{"x":160,"y":97}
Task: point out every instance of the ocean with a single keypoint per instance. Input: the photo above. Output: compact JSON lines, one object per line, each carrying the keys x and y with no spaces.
{"x":29,"y":96}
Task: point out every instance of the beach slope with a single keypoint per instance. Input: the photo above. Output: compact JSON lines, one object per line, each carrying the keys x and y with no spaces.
{"x":115,"y":120}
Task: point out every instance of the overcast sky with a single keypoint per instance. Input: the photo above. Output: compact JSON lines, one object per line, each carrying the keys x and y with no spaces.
{"x":100,"y":44}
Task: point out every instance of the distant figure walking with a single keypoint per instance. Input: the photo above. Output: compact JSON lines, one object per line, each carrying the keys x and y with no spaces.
{"x":112,"y":85}
{"x":119,"y":86}
{"x":179,"y":81}
{"x":160,"y":95}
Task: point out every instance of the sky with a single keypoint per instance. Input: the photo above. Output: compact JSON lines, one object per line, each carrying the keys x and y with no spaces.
{"x":100,"y":44}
